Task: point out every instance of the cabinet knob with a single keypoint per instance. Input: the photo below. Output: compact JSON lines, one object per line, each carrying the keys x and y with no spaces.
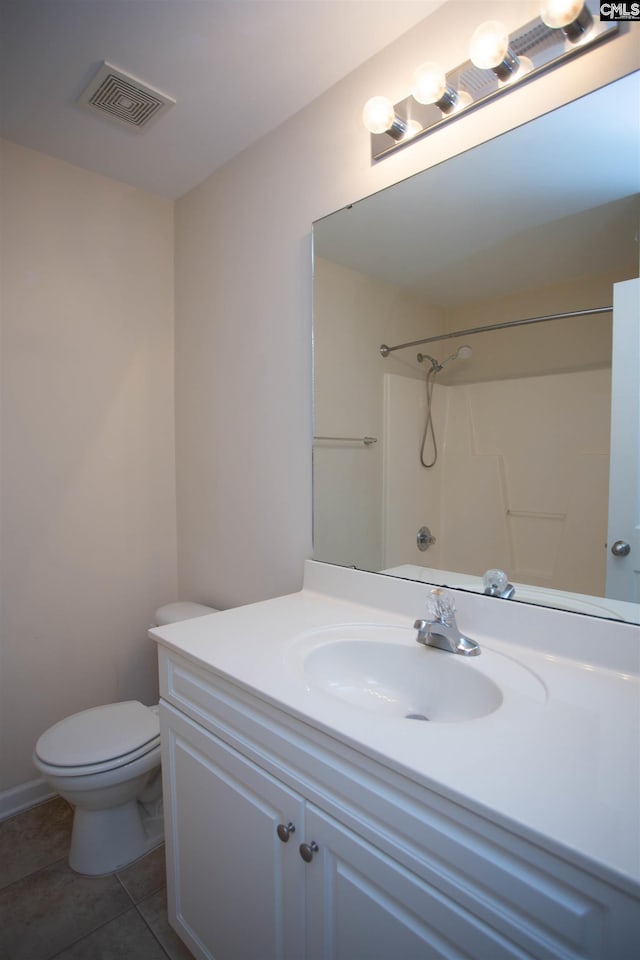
{"x":307,"y":851}
{"x":284,"y":832}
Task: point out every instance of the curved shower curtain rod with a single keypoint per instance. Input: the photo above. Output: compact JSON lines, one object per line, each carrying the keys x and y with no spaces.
{"x":385,"y":350}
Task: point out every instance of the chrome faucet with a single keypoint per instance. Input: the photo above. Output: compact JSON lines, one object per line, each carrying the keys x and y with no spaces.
{"x":442,"y":630}
{"x":496,"y":584}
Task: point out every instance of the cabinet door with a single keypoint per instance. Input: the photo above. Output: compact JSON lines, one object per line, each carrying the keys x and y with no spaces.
{"x":362,"y":905}
{"x":234,"y":887}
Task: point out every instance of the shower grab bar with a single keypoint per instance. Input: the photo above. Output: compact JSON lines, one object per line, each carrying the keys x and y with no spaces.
{"x":367,"y":441}
{"x":385,"y":350}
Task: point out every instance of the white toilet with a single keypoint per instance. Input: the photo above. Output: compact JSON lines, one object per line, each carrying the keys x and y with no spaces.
{"x":106,"y":762}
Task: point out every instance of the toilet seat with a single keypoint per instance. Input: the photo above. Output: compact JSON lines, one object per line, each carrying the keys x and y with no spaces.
{"x":52,"y":769}
{"x":102,"y":738}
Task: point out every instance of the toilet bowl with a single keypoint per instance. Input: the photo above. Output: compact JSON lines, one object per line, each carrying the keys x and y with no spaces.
{"x":105,"y":762}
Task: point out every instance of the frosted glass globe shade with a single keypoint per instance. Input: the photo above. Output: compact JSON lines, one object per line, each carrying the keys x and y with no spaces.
{"x":378,"y":114}
{"x":489,"y":45}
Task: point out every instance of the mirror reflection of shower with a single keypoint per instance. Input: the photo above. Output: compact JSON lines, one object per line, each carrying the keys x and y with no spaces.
{"x":462,"y":353}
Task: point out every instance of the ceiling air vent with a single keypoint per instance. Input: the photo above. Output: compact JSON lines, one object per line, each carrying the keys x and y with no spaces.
{"x":125,"y":98}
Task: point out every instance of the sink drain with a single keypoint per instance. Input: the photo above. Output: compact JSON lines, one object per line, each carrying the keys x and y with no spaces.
{"x":415,"y":716}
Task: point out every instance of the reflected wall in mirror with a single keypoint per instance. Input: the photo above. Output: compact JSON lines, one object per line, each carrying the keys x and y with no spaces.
{"x":516,"y":431}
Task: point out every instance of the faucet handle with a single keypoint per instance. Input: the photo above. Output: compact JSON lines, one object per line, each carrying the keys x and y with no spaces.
{"x":442,"y":607}
{"x":496,"y":584}
{"x":495,"y":581}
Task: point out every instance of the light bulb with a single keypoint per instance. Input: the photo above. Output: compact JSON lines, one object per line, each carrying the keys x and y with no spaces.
{"x":429,"y":83}
{"x":413,"y":127}
{"x":430,"y":86}
{"x":525,"y":66}
{"x":560,"y":13}
{"x":378,"y":114}
{"x":489,"y":50}
{"x":570,"y":16}
{"x":489,"y":45}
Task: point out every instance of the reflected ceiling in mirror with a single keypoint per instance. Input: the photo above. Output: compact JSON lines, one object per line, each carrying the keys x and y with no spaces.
{"x":541,"y":220}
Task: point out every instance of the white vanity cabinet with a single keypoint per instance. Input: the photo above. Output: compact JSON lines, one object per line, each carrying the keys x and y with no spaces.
{"x":391,"y":869}
{"x":245,"y":890}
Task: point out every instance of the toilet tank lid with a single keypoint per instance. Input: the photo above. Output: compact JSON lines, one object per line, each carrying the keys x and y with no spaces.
{"x":181,"y":610}
{"x":98,"y":734}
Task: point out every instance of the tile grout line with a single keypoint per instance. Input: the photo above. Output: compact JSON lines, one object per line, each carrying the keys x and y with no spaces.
{"x":136,"y":906}
{"x":123,"y":887}
{"x":34,"y":873}
{"x":151,"y":930}
{"x":91,"y":933}
{"x":32,"y":840}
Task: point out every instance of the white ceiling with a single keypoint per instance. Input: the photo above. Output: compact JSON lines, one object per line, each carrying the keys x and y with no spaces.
{"x":237,"y":69}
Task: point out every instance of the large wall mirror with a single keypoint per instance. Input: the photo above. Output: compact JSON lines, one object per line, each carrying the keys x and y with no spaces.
{"x":511,"y":448}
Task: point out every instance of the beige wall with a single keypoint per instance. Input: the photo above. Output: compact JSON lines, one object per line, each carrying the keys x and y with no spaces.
{"x":87,"y":483}
{"x":243,"y":298}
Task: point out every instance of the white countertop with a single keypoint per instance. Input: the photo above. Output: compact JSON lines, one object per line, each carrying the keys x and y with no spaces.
{"x":560,"y":763}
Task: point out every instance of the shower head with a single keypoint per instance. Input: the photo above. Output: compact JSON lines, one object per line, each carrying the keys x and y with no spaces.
{"x":462,"y":353}
{"x":421,"y":357}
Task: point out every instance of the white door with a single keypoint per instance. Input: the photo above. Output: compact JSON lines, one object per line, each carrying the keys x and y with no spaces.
{"x":623,"y":542}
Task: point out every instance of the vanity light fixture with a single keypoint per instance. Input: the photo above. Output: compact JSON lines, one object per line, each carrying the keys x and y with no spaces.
{"x":498,"y":62}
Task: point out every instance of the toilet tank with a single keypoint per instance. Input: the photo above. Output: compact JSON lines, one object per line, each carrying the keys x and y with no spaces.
{"x":180,"y":610}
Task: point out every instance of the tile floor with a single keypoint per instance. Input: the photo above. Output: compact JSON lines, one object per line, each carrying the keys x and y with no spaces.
{"x":47,"y":911}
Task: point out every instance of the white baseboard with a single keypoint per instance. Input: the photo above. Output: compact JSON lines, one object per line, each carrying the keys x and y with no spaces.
{"x":26,"y":795}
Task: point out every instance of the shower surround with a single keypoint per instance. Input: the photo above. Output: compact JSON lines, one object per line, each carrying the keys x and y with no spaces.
{"x":520,"y":483}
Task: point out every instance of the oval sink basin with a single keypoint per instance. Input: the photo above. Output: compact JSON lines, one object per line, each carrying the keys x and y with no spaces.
{"x":384,"y":670}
